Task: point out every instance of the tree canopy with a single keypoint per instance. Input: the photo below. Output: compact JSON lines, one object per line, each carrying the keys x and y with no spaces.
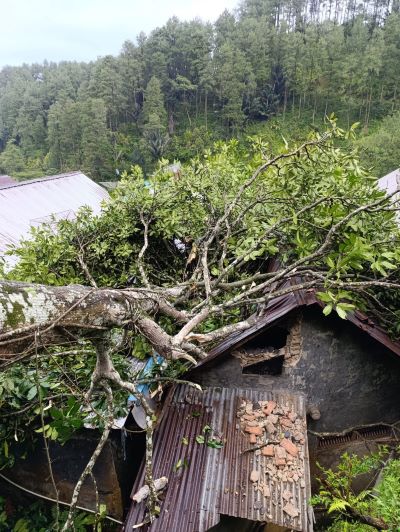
{"x":296,"y":58}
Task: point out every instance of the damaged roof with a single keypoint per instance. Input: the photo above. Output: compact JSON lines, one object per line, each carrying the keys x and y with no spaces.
{"x":266,"y":484}
{"x":283,"y":305}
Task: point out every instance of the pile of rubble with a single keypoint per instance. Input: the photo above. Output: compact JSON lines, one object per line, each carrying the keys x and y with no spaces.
{"x":276,"y":438}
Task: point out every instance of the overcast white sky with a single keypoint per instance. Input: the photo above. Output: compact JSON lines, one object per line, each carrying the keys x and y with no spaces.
{"x":34,"y":30}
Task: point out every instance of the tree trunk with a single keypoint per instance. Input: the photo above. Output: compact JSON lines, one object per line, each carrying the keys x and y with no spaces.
{"x":36,"y":315}
{"x":206,"y":109}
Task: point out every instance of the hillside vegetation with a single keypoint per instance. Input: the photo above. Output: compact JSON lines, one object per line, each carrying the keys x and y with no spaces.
{"x":174,"y":92}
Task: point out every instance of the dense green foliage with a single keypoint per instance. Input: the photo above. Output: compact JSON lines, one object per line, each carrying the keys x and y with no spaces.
{"x":40,"y":517}
{"x":186,"y":84}
{"x":184,"y":207}
{"x":382,"y":148}
{"x":51,"y":385}
{"x":349,"y":508}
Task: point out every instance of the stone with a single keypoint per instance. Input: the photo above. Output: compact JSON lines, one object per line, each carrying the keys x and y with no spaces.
{"x":266,"y":491}
{"x":273,"y":418}
{"x":249,"y":417}
{"x":254,"y":430}
{"x":280,"y":456}
{"x":297,"y":436}
{"x":286,"y":423}
{"x":252,"y":424}
{"x":280,"y":452}
{"x":271,"y":429}
{"x":291,"y":510}
{"x":287,"y":495}
{"x":290,"y":447}
{"x":268,"y":450}
{"x":254,"y":476}
{"x":249,"y":408}
{"x":292,"y":416}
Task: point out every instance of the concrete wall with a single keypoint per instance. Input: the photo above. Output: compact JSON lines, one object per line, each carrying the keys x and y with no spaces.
{"x":352,"y":379}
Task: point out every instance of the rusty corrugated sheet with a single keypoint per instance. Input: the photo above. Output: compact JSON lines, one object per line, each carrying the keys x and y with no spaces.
{"x":6,"y":180}
{"x":217,"y":481}
{"x":30,"y":203}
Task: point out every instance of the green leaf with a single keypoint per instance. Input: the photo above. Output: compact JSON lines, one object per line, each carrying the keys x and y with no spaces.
{"x":327,"y":310}
{"x":341,"y":312}
{"x":325,"y":297}
{"x":200,"y":439}
{"x":215,"y":443}
{"x":31,"y":393}
{"x":178,"y":464}
{"x":338,"y":505}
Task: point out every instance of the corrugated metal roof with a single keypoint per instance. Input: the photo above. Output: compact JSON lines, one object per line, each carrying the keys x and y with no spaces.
{"x":6,"y":180}
{"x":210,"y":481}
{"x":31,"y":203}
{"x":390,"y":182}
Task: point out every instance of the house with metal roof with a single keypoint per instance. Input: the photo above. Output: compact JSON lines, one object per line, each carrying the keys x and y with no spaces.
{"x":6,"y":180}
{"x":31,"y":203}
{"x":390,"y":182}
{"x":295,"y":389}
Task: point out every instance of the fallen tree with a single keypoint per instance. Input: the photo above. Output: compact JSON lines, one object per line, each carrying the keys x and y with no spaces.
{"x":177,"y":264}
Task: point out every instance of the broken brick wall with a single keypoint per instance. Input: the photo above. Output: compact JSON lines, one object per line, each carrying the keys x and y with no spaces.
{"x":350,"y":377}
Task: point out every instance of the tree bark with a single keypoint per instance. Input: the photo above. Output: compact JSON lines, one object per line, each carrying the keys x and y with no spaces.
{"x":37,"y":315}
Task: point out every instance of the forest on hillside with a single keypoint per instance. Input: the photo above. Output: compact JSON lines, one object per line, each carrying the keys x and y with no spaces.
{"x":174,"y":92}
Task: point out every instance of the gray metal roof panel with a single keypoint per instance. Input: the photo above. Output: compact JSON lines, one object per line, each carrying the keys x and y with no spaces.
{"x":30,"y":203}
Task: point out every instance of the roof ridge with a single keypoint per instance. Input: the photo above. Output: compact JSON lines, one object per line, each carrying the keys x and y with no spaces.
{"x":44,"y":178}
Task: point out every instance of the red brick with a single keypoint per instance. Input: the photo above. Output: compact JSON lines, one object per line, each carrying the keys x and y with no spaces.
{"x":269,"y":408}
{"x":268,"y":450}
{"x":253,"y":438}
{"x":290,"y":447}
{"x":254,"y":430}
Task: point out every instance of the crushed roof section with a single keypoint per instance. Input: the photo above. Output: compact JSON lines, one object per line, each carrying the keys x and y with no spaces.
{"x":280,"y":307}
{"x":206,"y":482}
{"x":30,"y":203}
